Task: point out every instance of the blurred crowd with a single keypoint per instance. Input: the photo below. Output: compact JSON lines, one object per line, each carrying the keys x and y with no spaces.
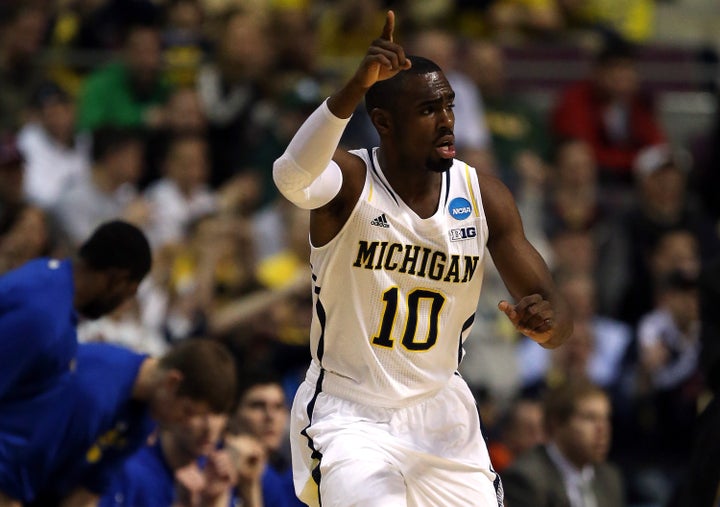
{"x":169,"y":114}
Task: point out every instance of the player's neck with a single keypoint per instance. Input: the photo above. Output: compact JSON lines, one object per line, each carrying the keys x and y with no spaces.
{"x":146,"y":380}
{"x":418,"y":188}
{"x":173,"y":454}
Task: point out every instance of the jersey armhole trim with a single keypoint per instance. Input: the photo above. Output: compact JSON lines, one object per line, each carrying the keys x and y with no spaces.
{"x":472,"y":192}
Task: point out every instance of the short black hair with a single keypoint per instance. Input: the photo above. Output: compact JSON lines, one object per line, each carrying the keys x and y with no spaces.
{"x":252,"y":377}
{"x":118,"y":244}
{"x":383,"y":93}
{"x":108,"y":139}
{"x":615,"y":49}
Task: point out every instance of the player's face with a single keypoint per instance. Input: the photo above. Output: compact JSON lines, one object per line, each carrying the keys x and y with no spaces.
{"x":263,"y":413}
{"x":424,"y":121}
{"x":585,"y":438}
{"x":172,"y":411}
{"x":117,"y":291}
{"x":199,"y":434}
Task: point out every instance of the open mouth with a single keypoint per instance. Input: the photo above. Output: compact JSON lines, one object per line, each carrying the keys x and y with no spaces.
{"x":446,"y":147}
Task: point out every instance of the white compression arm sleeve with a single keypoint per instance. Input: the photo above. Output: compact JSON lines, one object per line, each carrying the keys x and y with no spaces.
{"x":306,"y":174}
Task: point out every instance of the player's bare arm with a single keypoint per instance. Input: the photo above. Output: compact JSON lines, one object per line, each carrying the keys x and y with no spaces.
{"x":81,"y":498}
{"x":539,"y":311}
{"x":305,"y":173}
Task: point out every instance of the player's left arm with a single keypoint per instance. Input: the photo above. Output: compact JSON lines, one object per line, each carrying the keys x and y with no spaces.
{"x":81,"y":498}
{"x":539,"y":312}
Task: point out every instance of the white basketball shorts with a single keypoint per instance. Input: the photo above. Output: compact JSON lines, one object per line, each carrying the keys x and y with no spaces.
{"x":430,"y":454}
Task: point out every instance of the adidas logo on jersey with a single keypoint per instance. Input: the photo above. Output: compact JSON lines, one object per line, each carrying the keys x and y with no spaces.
{"x":380,"y":221}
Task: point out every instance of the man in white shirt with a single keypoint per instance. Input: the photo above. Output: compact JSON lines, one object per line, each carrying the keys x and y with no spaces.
{"x":54,"y":154}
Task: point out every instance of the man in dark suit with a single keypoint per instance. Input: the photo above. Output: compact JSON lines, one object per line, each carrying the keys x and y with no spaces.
{"x":701,"y":484}
{"x":570,"y":470}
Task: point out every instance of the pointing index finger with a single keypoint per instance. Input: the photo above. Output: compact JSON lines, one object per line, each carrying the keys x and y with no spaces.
{"x":389,"y":27}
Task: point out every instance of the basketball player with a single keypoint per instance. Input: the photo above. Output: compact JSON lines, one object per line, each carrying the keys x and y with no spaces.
{"x":105,"y":413}
{"x":398,"y":237}
{"x":40,"y":304}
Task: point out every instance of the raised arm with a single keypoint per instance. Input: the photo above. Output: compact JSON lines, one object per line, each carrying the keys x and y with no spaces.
{"x":539,"y":312}
{"x":312,"y":172}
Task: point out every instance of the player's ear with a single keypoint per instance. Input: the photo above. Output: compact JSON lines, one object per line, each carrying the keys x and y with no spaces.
{"x":381,"y":120}
{"x":172,"y":380}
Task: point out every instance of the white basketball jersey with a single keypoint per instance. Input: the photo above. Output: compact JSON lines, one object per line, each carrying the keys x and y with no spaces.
{"x":395,"y":294}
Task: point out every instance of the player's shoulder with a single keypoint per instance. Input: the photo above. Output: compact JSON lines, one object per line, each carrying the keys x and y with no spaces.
{"x":493,"y":190}
{"x":42,"y":292}
{"x":353,"y":162}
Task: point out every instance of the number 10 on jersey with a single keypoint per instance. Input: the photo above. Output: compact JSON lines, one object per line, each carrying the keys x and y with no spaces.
{"x":420,"y":303}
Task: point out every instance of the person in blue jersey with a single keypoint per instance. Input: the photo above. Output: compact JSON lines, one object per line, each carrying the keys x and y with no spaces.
{"x":114,"y":401}
{"x":399,"y":235}
{"x":40,"y":305}
{"x":262,"y":412}
{"x":148,"y":477}
{"x":41,"y":301}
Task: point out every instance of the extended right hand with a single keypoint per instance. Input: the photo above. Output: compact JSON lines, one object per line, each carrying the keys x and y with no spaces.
{"x":384,"y":57}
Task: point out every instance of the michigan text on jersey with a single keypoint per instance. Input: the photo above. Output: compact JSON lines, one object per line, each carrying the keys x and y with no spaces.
{"x":416,"y":260}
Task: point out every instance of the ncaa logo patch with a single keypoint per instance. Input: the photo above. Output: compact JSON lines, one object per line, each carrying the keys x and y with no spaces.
{"x":459,"y":208}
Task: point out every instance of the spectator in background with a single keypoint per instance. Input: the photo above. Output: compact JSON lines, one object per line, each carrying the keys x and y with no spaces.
{"x":182,"y":194}
{"x":571,"y":468}
{"x":185,"y":46}
{"x":125,"y":326}
{"x":513,"y":20}
{"x":629,"y":19}
{"x":222,"y":482}
{"x":573,"y":251}
{"x":24,"y":229}
{"x":130,"y":92}
{"x":296,"y":43}
{"x":212,"y":281}
{"x":669,"y":349}
{"x":101,"y":24}
{"x":184,"y":115}
{"x":663,"y":204}
{"x":54,"y":154}
{"x":659,"y":423}
{"x":519,"y":137}
{"x":231,"y":89}
{"x":343,"y":29}
{"x":674,"y":250}
{"x":604,"y":340}
{"x":250,"y":462}
{"x":291,"y":108}
{"x":521,"y":428}
{"x":576,"y":202}
{"x":263,"y":412}
{"x":22,"y":27}
{"x":610,"y":113}
{"x":472,"y":137}
{"x":700,"y":482}
{"x":109,"y":192}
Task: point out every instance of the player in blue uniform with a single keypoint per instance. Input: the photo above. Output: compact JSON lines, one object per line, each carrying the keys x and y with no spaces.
{"x":147,"y":478}
{"x":40,"y":304}
{"x":111,"y":406}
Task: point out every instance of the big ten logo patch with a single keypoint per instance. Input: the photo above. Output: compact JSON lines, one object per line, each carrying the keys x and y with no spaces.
{"x":111,"y":438}
{"x":462,"y":233}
